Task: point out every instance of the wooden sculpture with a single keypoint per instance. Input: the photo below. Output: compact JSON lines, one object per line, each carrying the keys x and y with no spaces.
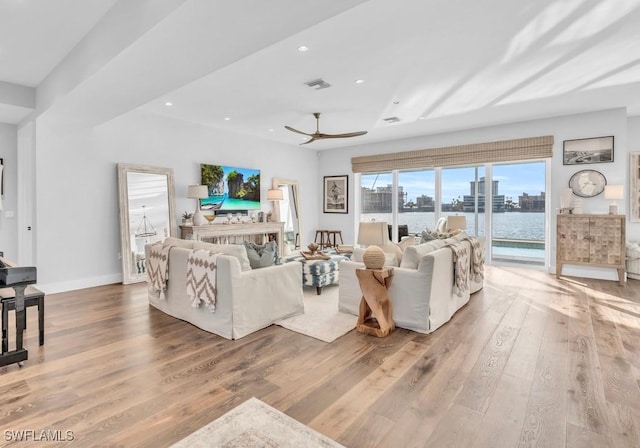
{"x":376,"y":312}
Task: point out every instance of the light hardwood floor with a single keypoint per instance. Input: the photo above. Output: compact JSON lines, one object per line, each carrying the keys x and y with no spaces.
{"x":530,"y":361}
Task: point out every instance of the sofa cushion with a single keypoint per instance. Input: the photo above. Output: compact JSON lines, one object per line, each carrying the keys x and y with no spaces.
{"x":261,"y":256}
{"x":235,"y":250}
{"x":171,"y":241}
{"x":412,"y":255}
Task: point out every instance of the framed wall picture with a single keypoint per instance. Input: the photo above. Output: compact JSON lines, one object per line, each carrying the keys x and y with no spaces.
{"x":587,"y":150}
{"x":336,"y":194}
{"x":634,"y":187}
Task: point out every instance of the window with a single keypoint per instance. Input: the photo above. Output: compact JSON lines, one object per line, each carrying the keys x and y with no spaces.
{"x":416,"y":201}
{"x":518,"y":230}
{"x":375,"y":197}
{"x":463,"y":193}
{"x":509,"y":197}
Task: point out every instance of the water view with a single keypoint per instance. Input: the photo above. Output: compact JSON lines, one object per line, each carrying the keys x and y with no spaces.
{"x":512,"y":231}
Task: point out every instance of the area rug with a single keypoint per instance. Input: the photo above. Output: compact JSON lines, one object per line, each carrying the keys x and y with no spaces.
{"x":321,"y":318}
{"x":254,"y":424}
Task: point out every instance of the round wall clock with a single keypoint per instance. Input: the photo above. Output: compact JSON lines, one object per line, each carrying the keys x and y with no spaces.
{"x":587,"y":183}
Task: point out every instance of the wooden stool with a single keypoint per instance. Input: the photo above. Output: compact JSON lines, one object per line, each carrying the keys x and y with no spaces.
{"x":376,"y":311}
{"x":328,"y":238}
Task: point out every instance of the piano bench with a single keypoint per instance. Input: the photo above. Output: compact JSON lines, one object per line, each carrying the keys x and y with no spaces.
{"x":32,"y":297}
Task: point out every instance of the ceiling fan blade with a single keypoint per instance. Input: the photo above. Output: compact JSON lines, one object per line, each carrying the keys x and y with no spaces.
{"x":295,"y":130}
{"x":319,"y":136}
{"x":312,"y":139}
{"x":345,"y":135}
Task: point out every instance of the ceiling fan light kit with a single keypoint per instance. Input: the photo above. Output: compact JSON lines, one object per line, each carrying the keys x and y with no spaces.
{"x":320,"y":136}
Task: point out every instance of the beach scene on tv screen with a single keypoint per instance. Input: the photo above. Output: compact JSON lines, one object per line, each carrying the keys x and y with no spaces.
{"x":230,"y":188}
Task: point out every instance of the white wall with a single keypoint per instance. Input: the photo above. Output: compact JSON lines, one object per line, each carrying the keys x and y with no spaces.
{"x":8,"y":226}
{"x":596,"y":124}
{"x":77,"y":221}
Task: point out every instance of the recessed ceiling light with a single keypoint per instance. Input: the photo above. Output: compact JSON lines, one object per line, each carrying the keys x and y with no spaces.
{"x":422,"y":118}
{"x":359,"y":81}
{"x":168,"y":104}
{"x":271,"y":130}
{"x":227,"y":118}
{"x":303,"y":48}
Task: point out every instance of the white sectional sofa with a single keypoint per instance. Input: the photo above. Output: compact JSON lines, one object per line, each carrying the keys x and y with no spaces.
{"x":422,"y":288}
{"x":246,"y":301}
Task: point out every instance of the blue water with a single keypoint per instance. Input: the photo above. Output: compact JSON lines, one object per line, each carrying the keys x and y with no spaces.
{"x":229,"y":203}
{"x":511,"y":225}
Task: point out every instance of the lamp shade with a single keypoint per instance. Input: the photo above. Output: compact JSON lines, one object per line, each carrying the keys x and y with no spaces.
{"x":614,"y":192}
{"x":456,"y":222}
{"x":373,"y":233}
{"x":274,"y":194}
{"x":197,"y":192}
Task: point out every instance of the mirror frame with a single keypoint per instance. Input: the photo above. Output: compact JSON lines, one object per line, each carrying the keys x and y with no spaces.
{"x":125,"y":231}
{"x":277,"y":182}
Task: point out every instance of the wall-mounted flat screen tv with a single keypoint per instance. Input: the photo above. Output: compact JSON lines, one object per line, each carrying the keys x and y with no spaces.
{"x":230,"y":188}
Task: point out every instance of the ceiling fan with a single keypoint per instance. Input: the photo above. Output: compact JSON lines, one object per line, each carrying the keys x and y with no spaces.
{"x":319,"y":135}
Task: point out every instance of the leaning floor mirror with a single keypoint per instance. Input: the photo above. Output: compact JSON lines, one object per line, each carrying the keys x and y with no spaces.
{"x":147,"y":214}
{"x":289,"y":211}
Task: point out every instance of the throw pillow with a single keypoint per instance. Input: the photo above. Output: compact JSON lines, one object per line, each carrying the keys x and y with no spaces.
{"x":394,"y":250}
{"x":262,"y":256}
{"x":235,"y":250}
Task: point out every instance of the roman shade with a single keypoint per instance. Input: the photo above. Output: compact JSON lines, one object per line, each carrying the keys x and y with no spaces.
{"x":501,"y":151}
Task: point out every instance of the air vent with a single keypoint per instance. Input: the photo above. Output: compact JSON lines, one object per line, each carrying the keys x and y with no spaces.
{"x":390,"y":120}
{"x":318,"y":84}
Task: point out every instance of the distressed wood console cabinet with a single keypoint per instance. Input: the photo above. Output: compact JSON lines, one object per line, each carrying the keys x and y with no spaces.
{"x":591,"y":240}
{"x":257,"y":232}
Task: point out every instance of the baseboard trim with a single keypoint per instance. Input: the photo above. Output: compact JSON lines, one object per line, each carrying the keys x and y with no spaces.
{"x":72,"y":285}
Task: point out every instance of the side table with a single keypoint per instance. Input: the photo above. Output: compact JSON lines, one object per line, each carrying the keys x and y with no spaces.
{"x":376,"y":311}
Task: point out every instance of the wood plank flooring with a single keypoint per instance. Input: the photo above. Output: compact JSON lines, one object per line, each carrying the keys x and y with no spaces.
{"x":531,"y":361}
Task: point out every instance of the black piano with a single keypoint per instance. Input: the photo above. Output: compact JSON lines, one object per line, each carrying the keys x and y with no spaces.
{"x":17,"y":278}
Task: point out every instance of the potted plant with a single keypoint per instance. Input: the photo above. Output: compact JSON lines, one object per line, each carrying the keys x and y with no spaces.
{"x":187,"y":219}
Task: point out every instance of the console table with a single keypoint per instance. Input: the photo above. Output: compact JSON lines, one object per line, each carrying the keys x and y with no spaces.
{"x":236,"y":233}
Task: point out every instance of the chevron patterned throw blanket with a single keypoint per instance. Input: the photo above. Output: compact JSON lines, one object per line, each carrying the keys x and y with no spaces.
{"x":158,"y":269}
{"x":477,"y":259}
{"x":461,"y":267}
{"x":201,"y":278}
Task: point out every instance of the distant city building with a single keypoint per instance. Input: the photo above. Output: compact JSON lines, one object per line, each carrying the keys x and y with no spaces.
{"x":425,"y":203}
{"x":532,"y":203}
{"x":378,"y":200}
{"x":469,"y":201}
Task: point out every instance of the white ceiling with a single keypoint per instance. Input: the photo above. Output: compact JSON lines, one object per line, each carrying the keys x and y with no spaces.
{"x":448,"y":64}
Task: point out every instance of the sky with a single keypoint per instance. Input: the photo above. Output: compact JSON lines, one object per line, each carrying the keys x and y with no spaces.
{"x":513,"y":180}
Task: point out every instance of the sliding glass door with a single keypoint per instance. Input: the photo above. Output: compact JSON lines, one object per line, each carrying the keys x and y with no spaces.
{"x":518,"y":225}
{"x":504,"y":202}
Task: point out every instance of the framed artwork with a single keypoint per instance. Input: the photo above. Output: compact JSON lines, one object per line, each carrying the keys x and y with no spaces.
{"x":587,"y":150}
{"x":634,"y":187}
{"x":336,"y":194}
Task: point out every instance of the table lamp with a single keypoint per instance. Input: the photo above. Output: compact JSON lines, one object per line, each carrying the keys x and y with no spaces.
{"x":275,"y":194}
{"x":198,"y":192}
{"x":613,"y":192}
{"x":456,"y":223}
{"x":373,"y":234}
